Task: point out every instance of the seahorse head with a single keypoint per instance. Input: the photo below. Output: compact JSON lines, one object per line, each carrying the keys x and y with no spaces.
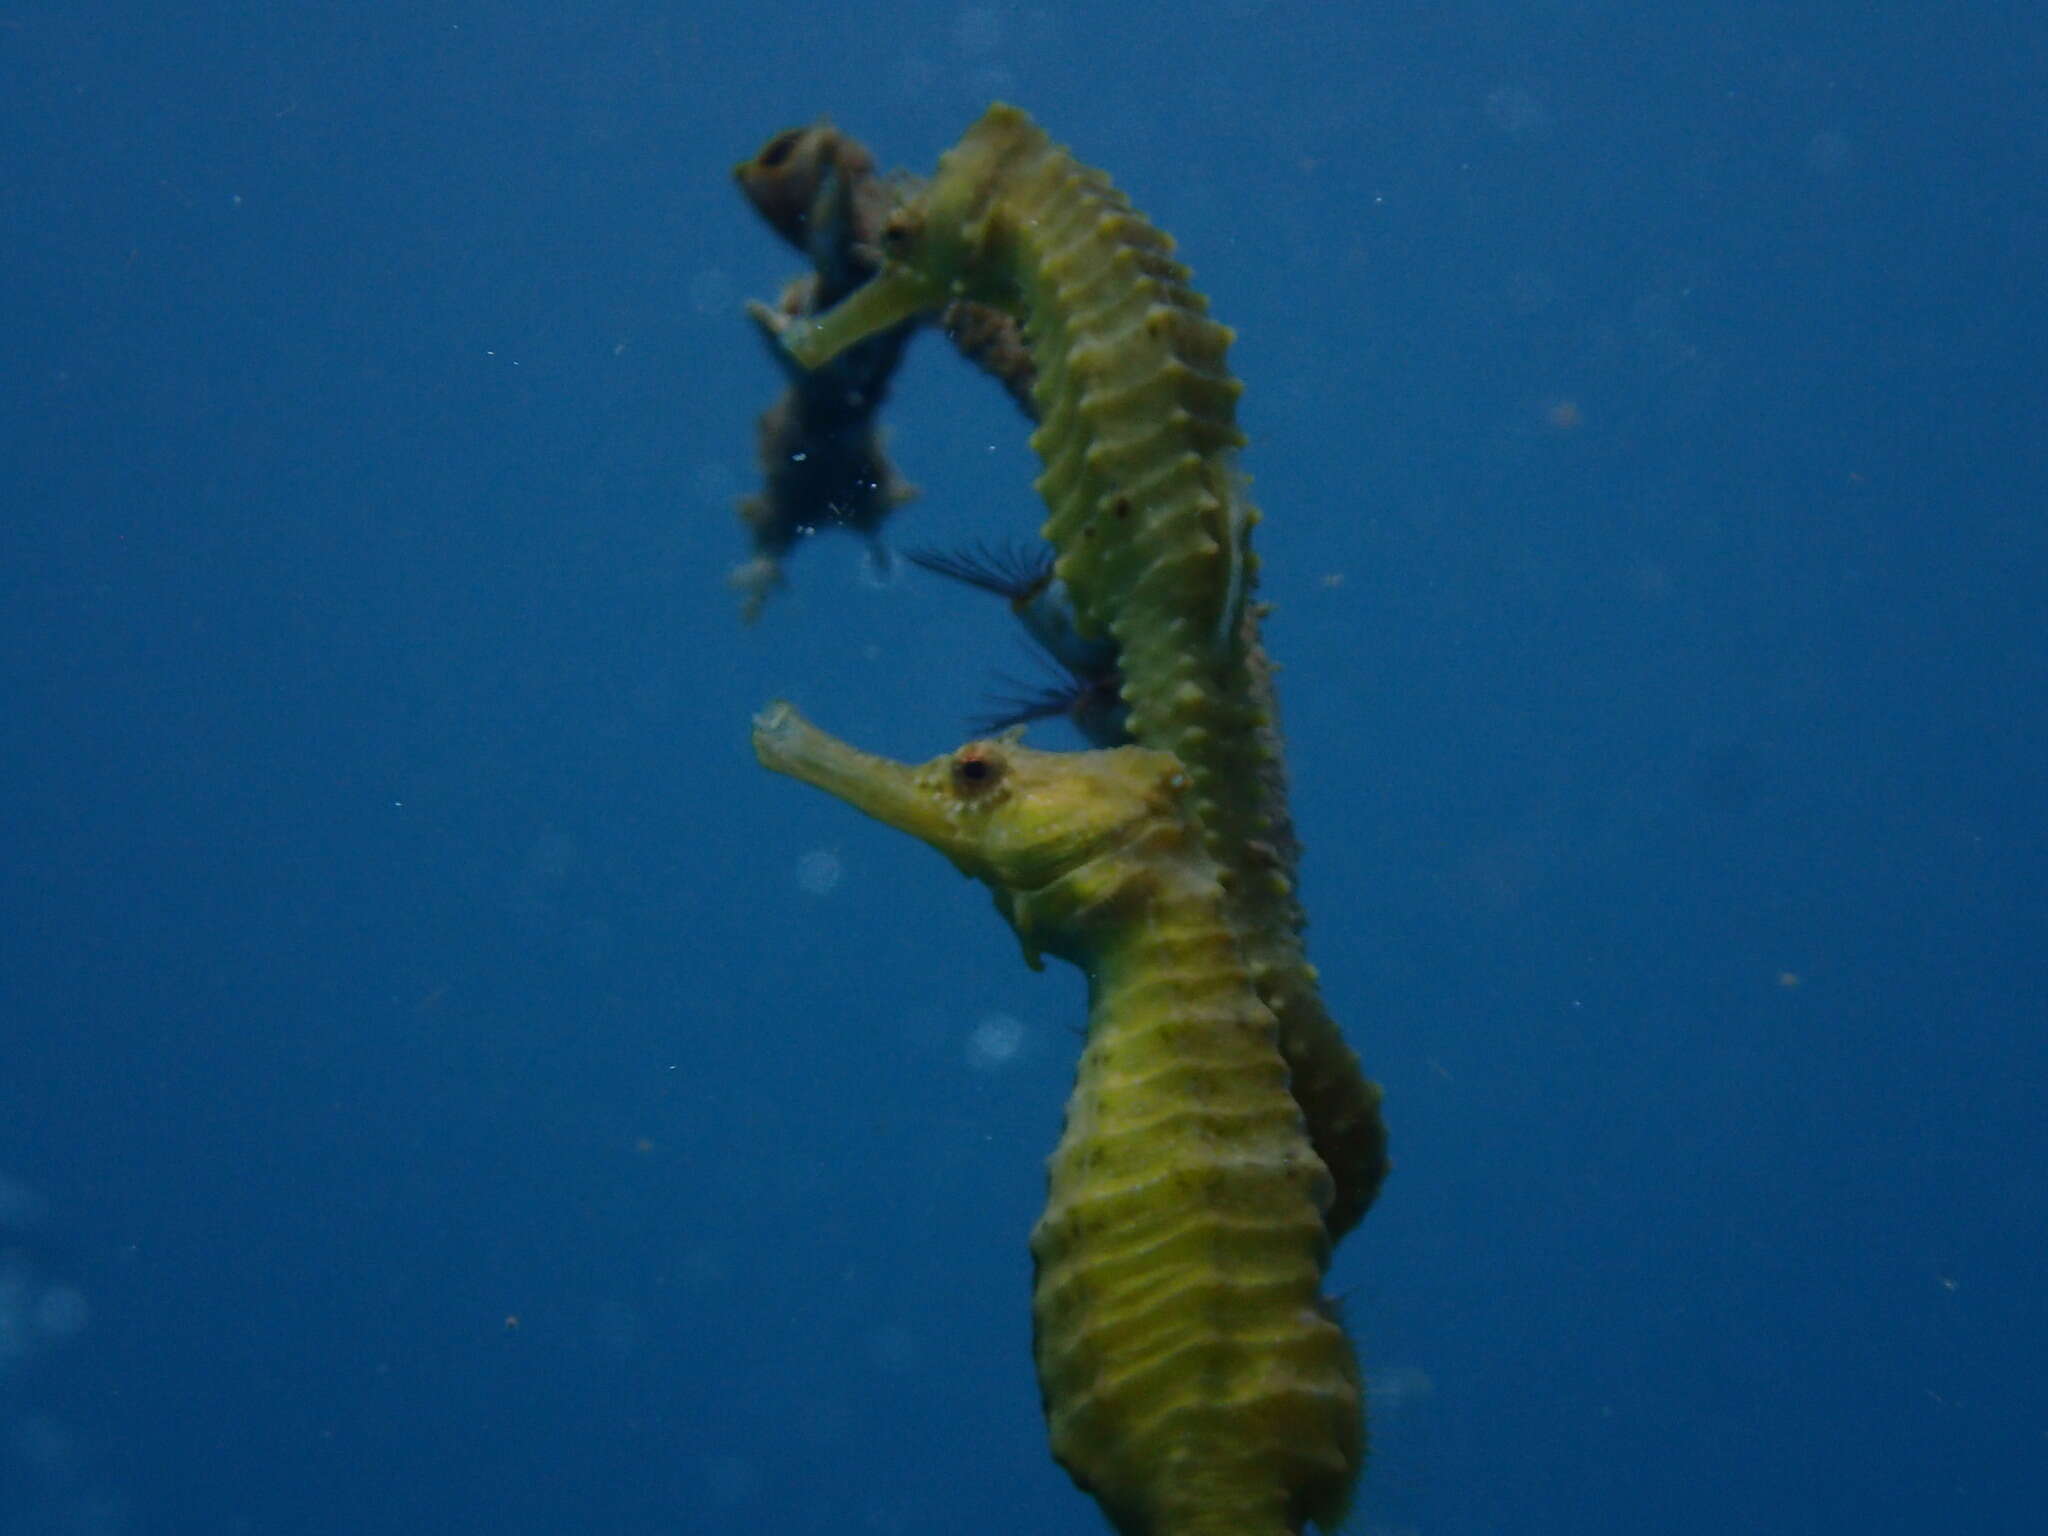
{"x":946,"y":243}
{"x":1068,"y":841}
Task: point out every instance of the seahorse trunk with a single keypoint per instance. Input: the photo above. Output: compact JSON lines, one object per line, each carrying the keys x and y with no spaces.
{"x":1194,"y":1380}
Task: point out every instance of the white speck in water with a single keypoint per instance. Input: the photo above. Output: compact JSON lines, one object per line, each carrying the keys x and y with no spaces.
{"x":818,"y":871}
{"x":995,"y":1041}
{"x":878,"y":573}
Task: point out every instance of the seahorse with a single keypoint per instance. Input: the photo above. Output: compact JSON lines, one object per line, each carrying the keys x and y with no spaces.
{"x":1137,"y":434}
{"x":1195,"y":1380}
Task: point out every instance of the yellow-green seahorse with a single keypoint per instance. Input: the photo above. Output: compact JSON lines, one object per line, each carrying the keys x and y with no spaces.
{"x":1192,"y":1377}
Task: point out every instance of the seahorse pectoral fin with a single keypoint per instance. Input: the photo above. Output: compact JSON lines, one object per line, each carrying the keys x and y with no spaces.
{"x":891,"y":296}
{"x":893,"y":793}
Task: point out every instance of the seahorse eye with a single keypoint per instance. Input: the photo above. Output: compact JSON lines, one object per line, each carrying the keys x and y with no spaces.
{"x":779,"y":148}
{"x":899,"y":235}
{"x":974,"y":772}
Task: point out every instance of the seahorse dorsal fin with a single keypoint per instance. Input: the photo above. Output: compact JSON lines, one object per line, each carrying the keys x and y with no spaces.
{"x":1238,"y":518}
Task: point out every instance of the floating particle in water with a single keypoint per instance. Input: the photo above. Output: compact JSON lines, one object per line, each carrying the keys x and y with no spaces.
{"x":878,"y":570}
{"x":818,"y":871}
{"x":1400,"y":1386}
{"x":994,"y":1042}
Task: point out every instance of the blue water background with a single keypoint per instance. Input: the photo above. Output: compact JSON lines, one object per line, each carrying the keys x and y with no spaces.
{"x":445,"y":1085}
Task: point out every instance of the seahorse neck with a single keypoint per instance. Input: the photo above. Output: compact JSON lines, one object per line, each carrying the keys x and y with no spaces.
{"x":1179,"y":961}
